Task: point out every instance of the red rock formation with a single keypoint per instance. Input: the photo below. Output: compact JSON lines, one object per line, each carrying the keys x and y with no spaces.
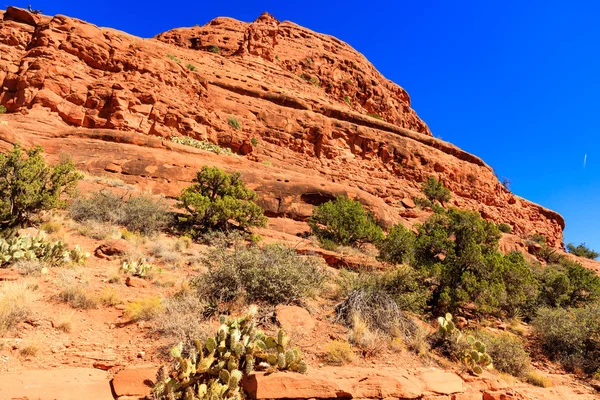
{"x":98,"y":94}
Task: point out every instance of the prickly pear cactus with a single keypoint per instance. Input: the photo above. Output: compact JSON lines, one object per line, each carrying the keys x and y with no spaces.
{"x":216,"y":368}
{"x":38,"y":248}
{"x":476,"y":358}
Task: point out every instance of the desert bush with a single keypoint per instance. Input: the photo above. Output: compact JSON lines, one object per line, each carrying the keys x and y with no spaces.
{"x":435,"y":190}
{"x":78,"y":297}
{"x":29,"y":185}
{"x":30,"y":350}
{"x":216,"y":366}
{"x":16,"y":302}
{"x":29,"y":267}
{"x":582,"y":250}
{"x":344,"y":221}
{"x":398,"y":245}
{"x":339,"y":352}
{"x":567,"y":284}
{"x":201,"y":144}
{"x":457,"y":250}
{"x":183,"y":317}
{"x":508,"y":353}
{"x":571,"y":336}
{"x":370,"y":341}
{"x":109,"y":297}
{"x":506,"y":228}
{"x":144,"y":309}
{"x":234,"y":123}
{"x":219,"y":201}
{"x":214,"y":49}
{"x":141,"y":213}
{"x":274,"y":275}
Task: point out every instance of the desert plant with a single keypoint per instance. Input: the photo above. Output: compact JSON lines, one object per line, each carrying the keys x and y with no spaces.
{"x":141,"y":213}
{"x":234,"y":123}
{"x":24,"y":248}
{"x":477,"y":358}
{"x":137,"y":267}
{"x":508,"y":353}
{"x":203,"y":145}
{"x":582,"y":250}
{"x":191,"y":67}
{"x":398,"y":245}
{"x":215,"y":367}
{"x":214,"y":49}
{"x":16,"y":301}
{"x":345,"y":222}
{"x":77,"y":297}
{"x":174,"y":58}
{"x":347,"y":100}
{"x":29,"y":185}
{"x":274,"y":275}
{"x":506,"y":228}
{"x":567,"y":284}
{"x":220,"y":201}
{"x":571,"y":336}
{"x":435,"y":190}
{"x":144,"y":309}
{"x":182,"y":318}
{"x":339,"y":352}
{"x":538,"y":379}
{"x":254,"y":142}
{"x":2,"y":109}
{"x":376,"y":116}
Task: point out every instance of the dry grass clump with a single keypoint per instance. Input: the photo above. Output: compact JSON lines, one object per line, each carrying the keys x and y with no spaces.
{"x":30,"y":350}
{"x":361,"y":335}
{"x":30,"y":267}
{"x":109,"y":297}
{"x":538,"y":379}
{"x":97,"y":230}
{"x":77,"y":297}
{"x":16,"y":301}
{"x":183,"y":317}
{"x":339,"y":352}
{"x":144,"y":309}
{"x":64,"y":325}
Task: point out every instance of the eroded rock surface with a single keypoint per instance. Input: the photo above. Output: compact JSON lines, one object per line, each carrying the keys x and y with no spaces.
{"x":316,"y":118}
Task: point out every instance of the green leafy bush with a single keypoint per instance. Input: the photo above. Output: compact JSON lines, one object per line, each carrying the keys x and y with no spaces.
{"x":2,"y":109}
{"x":506,"y":228}
{"x":398,"y":245}
{"x":215,"y":367}
{"x":191,"y":67}
{"x":435,"y":190}
{"x":571,"y":336}
{"x":141,"y":213}
{"x":274,"y":275}
{"x":220,"y":201}
{"x":214,"y":49}
{"x":29,"y":185}
{"x":582,"y":251}
{"x":345,"y":222}
{"x":567,"y":284}
{"x":458,"y":251}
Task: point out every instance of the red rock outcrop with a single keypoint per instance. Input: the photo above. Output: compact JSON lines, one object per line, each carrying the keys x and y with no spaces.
{"x":321,"y":115}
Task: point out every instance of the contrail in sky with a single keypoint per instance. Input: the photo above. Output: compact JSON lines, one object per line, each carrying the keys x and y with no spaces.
{"x":584,"y":160}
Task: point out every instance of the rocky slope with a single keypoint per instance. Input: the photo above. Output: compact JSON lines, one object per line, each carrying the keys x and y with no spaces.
{"x":322,"y":119}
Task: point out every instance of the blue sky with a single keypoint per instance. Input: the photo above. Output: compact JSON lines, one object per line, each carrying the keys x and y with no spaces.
{"x":514,"y":82}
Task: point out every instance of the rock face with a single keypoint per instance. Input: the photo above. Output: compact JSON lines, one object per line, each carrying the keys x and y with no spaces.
{"x":322,"y":116}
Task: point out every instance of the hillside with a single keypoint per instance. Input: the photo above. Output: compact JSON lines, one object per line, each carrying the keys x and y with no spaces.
{"x":304,"y":119}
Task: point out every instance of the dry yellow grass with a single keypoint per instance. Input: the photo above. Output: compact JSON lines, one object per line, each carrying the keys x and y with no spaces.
{"x":339,"y":352}
{"x":16,"y":300}
{"x":144,"y":309}
{"x":538,"y":379}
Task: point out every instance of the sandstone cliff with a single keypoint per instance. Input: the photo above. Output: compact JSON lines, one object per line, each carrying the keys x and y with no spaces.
{"x":322,"y":116}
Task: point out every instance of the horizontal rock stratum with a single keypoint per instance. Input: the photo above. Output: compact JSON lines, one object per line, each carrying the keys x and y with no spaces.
{"x":309,"y":116}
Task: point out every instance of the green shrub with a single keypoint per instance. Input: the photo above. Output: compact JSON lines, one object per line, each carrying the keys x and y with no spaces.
{"x":274,"y":275}
{"x":234,"y":123}
{"x":215,"y":367}
{"x":582,"y":251}
{"x":191,"y":67}
{"x":220,"y":201}
{"x":457,"y":250}
{"x":345,"y":222}
{"x":348,"y":101}
{"x":141,"y":213}
{"x":29,"y":185}
{"x":174,"y":58}
{"x":254,"y":142}
{"x":398,"y":245}
{"x":571,"y":336}
{"x":2,"y":109}
{"x":214,"y":49}
{"x":506,"y":228}
{"x":435,"y":190}
{"x":567,"y":284}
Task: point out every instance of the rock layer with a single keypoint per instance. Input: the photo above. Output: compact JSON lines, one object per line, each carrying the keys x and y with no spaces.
{"x":314,"y":118}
